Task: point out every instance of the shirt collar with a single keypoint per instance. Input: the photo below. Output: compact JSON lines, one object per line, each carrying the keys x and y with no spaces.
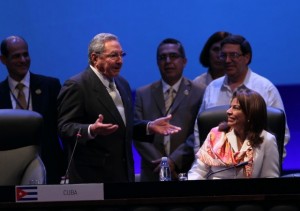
{"x":13,"y":83}
{"x":166,"y":86}
{"x":102,"y":78}
{"x":243,"y":84}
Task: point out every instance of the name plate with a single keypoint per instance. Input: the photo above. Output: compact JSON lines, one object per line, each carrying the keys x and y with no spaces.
{"x":65,"y":192}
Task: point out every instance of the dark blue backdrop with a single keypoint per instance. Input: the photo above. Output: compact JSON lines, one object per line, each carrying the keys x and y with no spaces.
{"x":59,"y":33}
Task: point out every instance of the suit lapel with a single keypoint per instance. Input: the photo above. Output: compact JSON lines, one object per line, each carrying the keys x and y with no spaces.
{"x":126,"y":99}
{"x":5,"y":101}
{"x":37,"y":93}
{"x":104,"y":98}
{"x":158,"y":96}
{"x":182,"y":93}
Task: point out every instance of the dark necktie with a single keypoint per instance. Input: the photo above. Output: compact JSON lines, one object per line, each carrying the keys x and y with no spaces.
{"x":21,"y":101}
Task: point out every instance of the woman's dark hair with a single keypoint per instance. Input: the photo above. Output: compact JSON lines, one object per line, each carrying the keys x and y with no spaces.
{"x":214,"y":38}
{"x":255,"y":109}
{"x":241,"y":41}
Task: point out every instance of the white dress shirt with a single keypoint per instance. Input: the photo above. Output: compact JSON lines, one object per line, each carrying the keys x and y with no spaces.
{"x":218,"y":93}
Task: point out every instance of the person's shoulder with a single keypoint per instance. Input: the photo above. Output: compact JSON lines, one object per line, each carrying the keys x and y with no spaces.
{"x":85,"y":74}
{"x":215,"y":129}
{"x":261,"y":84}
{"x":43,"y":77}
{"x":217,"y":81}
{"x":268,"y":138}
{"x":216,"y":84}
{"x":122,"y":80}
{"x":200,"y":77}
{"x":215,"y":133}
{"x":49,"y":81}
{"x":256,"y":77}
{"x":148,"y":87}
{"x":267,"y":135}
{"x":199,"y":87}
{"x":201,"y":80}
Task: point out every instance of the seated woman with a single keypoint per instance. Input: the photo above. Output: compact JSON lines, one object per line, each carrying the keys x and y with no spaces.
{"x":240,"y":147}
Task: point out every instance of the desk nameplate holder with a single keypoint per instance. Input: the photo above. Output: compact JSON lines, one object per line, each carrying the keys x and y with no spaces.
{"x":52,"y":193}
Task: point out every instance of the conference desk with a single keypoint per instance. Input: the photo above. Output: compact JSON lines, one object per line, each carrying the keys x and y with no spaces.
{"x":195,"y":194}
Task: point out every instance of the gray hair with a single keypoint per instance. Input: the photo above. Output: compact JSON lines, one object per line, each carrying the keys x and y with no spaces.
{"x":97,"y":43}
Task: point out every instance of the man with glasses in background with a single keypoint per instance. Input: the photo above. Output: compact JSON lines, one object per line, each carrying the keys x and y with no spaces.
{"x":174,"y":94}
{"x":236,"y":54}
{"x":95,"y":118}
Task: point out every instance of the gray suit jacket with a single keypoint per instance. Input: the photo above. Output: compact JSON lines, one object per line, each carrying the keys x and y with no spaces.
{"x":150,"y":105}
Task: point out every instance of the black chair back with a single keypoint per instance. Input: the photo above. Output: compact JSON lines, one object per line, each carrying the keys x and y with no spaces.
{"x":20,"y":132}
{"x":19,"y":128}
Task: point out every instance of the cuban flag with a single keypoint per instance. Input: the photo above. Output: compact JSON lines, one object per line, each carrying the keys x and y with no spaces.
{"x":26,"y":193}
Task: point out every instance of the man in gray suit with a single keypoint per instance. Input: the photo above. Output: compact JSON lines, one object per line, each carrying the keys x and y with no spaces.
{"x":173,"y":94}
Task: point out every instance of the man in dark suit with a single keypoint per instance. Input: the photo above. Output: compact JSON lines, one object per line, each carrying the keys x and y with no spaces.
{"x":97,"y":104}
{"x":151,"y":102}
{"x":40,"y":96}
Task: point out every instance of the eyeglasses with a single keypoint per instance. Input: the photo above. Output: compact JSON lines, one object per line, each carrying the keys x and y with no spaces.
{"x":232,"y":56}
{"x":172,"y":56}
{"x":114,"y":55}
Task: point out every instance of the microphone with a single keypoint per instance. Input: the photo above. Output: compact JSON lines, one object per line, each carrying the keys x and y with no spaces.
{"x":65,"y":178}
{"x":228,"y":168}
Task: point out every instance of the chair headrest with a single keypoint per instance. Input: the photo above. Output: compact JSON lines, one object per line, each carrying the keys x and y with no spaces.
{"x":19,"y":128}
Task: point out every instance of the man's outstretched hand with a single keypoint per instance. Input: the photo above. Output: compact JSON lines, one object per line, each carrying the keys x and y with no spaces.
{"x":162,"y":126}
{"x":99,"y":128}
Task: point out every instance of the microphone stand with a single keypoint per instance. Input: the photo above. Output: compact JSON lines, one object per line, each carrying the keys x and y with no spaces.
{"x":228,"y":168}
{"x":65,"y":178}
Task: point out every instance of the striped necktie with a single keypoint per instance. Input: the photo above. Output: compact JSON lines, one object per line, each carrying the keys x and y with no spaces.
{"x":169,"y":99}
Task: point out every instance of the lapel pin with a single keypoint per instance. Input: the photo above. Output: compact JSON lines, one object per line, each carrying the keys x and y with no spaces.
{"x":38,"y":91}
{"x":186,"y":92}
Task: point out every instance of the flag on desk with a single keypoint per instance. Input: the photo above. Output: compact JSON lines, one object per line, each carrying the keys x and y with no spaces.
{"x":26,"y":193}
{"x":63,"y":192}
